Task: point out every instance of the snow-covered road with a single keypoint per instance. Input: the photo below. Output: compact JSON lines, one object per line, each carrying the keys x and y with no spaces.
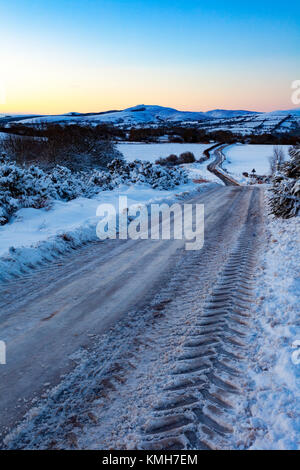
{"x":138,"y":316}
{"x":215,"y":167}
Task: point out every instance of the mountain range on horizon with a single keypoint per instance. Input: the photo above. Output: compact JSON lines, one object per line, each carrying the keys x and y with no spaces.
{"x":163,"y":110}
{"x":242,"y":121}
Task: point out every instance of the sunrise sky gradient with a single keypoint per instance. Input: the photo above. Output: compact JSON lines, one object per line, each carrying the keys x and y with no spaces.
{"x":59,"y":56}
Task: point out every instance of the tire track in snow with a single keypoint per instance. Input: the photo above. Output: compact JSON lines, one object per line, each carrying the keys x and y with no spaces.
{"x":197,"y":408}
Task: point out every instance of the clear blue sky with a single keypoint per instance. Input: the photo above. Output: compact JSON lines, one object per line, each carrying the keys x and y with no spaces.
{"x":88,"y":55}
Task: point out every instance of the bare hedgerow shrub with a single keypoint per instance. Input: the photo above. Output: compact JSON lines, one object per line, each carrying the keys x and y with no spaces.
{"x":75,"y":147}
{"x":23,"y":149}
{"x":187,"y":157}
{"x":171,"y":160}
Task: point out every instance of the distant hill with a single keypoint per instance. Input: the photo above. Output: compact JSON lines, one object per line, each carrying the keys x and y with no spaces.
{"x":224,"y":113}
{"x":237,"y":121}
{"x":142,"y":114}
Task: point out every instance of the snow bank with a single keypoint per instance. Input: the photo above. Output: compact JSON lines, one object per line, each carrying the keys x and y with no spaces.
{"x":32,"y":187}
{"x":274,"y":399}
{"x":285,"y":199}
{"x":37,"y":235}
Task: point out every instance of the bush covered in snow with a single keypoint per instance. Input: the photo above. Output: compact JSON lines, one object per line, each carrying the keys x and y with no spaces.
{"x":285,"y":200}
{"x":33,"y":187}
{"x":146,"y":172}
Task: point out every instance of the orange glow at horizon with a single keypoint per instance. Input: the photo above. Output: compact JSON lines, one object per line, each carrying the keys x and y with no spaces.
{"x":112,"y":91}
{"x":56,"y":87}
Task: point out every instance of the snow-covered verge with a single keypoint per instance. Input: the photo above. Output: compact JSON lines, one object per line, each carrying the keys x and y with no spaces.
{"x":32,"y":187}
{"x":37,"y":235}
{"x":285,"y":200}
{"x":275,"y":390}
{"x":199,"y":171}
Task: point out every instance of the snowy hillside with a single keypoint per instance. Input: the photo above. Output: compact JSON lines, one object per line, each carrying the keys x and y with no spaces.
{"x":223,"y":113}
{"x":237,"y":121}
{"x":141,"y":114}
{"x":264,"y":123}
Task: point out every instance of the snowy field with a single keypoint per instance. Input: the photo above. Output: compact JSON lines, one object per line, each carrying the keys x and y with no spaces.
{"x":241,"y":158}
{"x":152,"y":152}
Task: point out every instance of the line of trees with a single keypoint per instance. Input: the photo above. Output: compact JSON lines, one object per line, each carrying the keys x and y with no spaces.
{"x":179,"y":134}
{"x":174,"y":132}
{"x":76,"y":147}
{"x":173,"y":160}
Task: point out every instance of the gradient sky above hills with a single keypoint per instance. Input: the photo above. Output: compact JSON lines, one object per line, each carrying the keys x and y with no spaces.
{"x":62,"y":55}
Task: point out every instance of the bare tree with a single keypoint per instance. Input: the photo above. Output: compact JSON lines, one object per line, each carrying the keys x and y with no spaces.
{"x":277,"y":159}
{"x":272,"y":163}
{"x":76,"y":147}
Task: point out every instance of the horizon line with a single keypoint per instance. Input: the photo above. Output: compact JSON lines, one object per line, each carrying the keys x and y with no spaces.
{"x":31,"y":113}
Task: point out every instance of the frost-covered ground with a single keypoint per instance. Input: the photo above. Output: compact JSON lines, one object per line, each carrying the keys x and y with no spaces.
{"x":152,"y":152}
{"x":274,"y":398}
{"x":244,"y":158}
{"x":198,"y":171}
